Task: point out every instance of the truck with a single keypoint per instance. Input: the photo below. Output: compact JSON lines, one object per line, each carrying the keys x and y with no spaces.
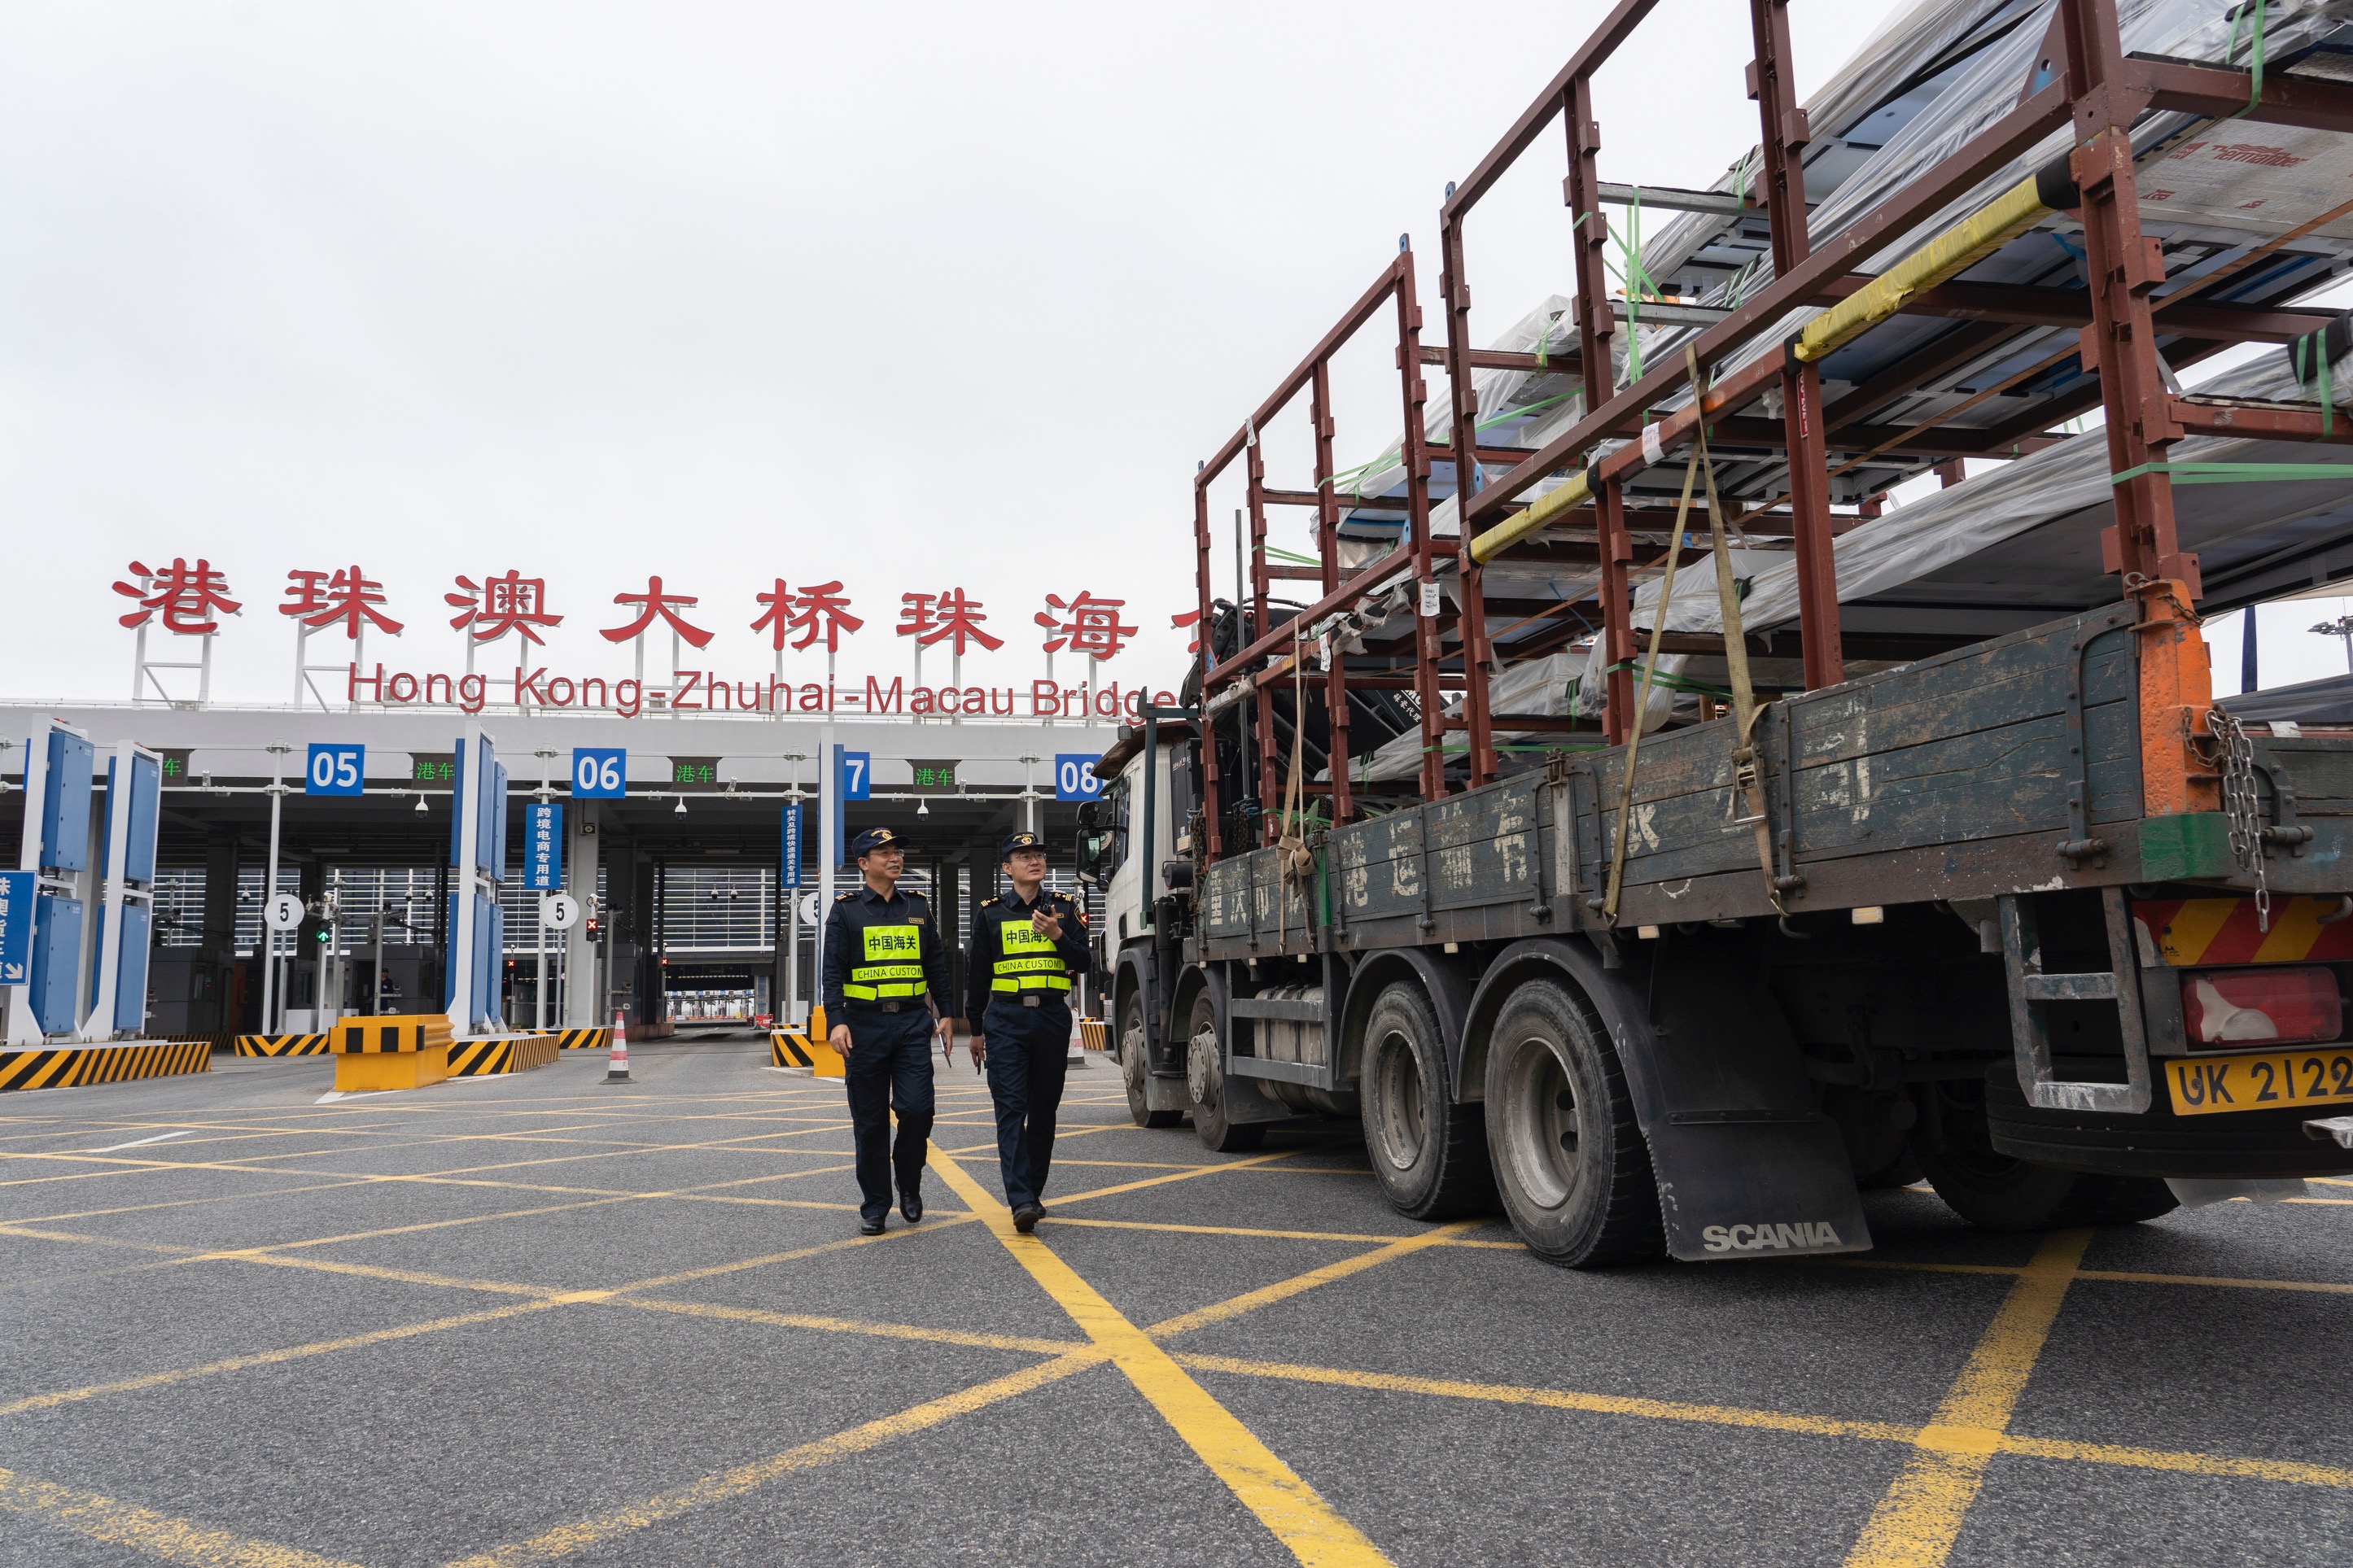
{"x":1898,"y":843}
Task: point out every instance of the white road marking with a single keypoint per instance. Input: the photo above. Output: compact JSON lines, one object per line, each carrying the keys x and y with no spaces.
{"x":141,"y":1142}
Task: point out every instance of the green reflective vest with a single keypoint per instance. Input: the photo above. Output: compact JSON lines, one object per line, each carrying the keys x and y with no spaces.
{"x":890,"y":966}
{"x":1028,"y":961}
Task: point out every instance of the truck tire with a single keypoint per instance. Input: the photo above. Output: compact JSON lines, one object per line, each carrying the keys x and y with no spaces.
{"x":1569,"y":1157}
{"x":1204,"y":1084}
{"x":1134,"y":1046}
{"x":2000,"y":1192}
{"x":1428,"y":1154}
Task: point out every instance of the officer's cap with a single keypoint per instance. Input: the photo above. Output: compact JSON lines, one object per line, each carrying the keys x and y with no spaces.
{"x":1013,"y":843}
{"x":875,"y":838}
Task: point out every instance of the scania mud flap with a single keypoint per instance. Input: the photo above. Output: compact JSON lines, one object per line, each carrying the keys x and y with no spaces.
{"x":1766,"y":1187}
{"x":1745,"y":1166}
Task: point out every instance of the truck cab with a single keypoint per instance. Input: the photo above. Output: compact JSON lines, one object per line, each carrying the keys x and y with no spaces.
{"x":1134,"y":845}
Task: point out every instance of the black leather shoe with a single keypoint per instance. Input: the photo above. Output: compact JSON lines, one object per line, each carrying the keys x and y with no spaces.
{"x":911,"y":1204}
{"x":870,"y":1227}
{"x":1025,"y":1218}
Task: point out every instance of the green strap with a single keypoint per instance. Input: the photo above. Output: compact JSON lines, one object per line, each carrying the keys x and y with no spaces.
{"x":2255,"y":92}
{"x":2236,"y":473}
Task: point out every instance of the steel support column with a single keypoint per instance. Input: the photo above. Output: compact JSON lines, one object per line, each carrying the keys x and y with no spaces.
{"x":1429,"y":649}
{"x":1784,"y":135}
{"x":2123,"y":268}
{"x":1462,"y":399}
{"x":1327,"y":552}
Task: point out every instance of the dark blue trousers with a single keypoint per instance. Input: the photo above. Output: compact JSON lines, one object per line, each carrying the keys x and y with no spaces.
{"x":888,"y":1070}
{"x":1028,"y":1053}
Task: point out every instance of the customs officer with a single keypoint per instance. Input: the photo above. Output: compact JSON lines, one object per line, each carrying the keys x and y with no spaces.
{"x":886,"y":976}
{"x":1027,"y":948}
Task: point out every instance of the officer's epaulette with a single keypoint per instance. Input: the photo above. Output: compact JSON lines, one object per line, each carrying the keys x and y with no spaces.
{"x":992,"y":901}
{"x":852,"y":894}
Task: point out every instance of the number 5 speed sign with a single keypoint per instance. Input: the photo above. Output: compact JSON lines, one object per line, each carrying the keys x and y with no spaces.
{"x":600,"y":772}
{"x":559,"y":911}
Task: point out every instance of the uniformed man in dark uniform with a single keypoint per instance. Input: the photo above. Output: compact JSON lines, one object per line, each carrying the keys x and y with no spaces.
{"x":886,"y":976}
{"x":1028,"y":947}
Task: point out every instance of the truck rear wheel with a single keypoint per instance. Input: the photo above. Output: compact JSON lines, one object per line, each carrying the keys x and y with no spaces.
{"x":2000,"y":1192}
{"x":1569,"y":1159}
{"x":1428,"y":1154}
{"x":1134,"y":1049}
{"x":1205,"y":1082}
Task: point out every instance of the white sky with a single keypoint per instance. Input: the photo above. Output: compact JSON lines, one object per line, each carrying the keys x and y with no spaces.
{"x":914,"y":297}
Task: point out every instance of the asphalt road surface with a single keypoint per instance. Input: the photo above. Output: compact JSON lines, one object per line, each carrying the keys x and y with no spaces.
{"x":535,"y":1320}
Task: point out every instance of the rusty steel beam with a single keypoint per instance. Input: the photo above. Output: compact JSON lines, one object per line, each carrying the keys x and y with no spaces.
{"x":2020,"y":305}
{"x":1784,"y":136}
{"x":2223,"y":93}
{"x":2015,"y":133}
{"x":1615,"y":29}
{"x":2273,"y":422}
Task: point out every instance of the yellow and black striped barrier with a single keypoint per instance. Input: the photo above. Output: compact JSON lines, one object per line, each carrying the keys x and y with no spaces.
{"x":70,"y":1067}
{"x":281,"y":1045}
{"x":1095,"y":1034}
{"x":580,"y":1039}
{"x":480,"y":1058}
{"x":397,"y":1050}
{"x":793,"y":1049}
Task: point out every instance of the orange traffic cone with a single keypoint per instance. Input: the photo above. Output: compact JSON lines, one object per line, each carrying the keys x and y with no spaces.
{"x":617,"y":1070}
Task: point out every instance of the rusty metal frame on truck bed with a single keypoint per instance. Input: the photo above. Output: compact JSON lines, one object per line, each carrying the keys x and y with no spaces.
{"x":2096,"y":89}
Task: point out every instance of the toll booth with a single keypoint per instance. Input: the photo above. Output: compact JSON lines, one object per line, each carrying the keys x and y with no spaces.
{"x":86,"y":871}
{"x":472,"y":991}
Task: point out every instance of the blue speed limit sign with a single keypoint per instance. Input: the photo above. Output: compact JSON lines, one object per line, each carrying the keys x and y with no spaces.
{"x":335,"y":769}
{"x":600,"y":772}
{"x":1074,"y":776}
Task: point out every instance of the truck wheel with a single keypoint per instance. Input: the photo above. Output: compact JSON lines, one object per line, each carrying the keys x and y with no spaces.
{"x":1204,"y":1081}
{"x":2000,"y":1192}
{"x":1133,"y":1047}
{"x":1570,"y":1161}
{"x":1428,"y":1154}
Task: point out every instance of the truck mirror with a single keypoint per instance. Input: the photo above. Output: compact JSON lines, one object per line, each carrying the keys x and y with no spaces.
{"x":1086,"y":816}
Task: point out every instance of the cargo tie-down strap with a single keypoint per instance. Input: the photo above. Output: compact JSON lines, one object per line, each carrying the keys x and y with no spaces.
{"x":1745,"y":780}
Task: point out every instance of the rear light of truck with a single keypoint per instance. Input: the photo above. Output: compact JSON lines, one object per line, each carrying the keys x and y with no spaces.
{"x":2253,"y":1006}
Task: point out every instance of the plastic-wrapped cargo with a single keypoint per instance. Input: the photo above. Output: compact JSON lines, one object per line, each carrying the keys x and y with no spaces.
{"x":1916,"y":93}
{"x":2019,"y":544}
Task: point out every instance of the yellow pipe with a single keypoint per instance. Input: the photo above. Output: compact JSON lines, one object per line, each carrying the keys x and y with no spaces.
{"x":1547,"y":509}
{"x":1946,"y":257}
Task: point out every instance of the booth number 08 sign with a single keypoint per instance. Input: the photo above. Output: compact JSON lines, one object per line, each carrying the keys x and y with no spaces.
{"x":1074,"y":776}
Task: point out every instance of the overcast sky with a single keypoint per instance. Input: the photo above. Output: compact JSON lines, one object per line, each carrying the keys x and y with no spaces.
{"x":910,"y":297}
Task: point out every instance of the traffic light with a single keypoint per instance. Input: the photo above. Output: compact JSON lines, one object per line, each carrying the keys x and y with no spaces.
{"x":319,"y":935}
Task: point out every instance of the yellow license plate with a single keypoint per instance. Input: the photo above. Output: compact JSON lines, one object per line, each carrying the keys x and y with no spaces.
{"x":2204,"y":1086}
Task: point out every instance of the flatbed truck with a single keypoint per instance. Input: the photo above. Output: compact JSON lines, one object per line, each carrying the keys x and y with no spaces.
{"x":2028,"y":917}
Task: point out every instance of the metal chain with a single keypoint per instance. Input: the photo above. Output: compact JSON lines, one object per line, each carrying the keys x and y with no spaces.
{"x":2238,"y":762}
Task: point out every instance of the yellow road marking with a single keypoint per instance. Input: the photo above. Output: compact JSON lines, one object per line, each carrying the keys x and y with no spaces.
{"x":1184,"y":1175}
{"x":268,"y":1358}
{"x":2324,"y":1287}
{"x":1556,"y":1399}
{"x":851,"y":1326}
{"x":1294,"y":1511}
{"x":1360,"y":1237}
{"x":2288,"y":1471}
{"x":1917,"y":1522}
{"x":1283,"y":1289}
{"x":103,"y":1518}
{"x":566,"y":1539}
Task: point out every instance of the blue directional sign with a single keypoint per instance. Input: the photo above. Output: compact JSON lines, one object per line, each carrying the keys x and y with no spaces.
{"x":600,"y":772}
{"x":1074,"y":776}
{"x":336,"y":768}
{"x":857,"y":781}
{"x":790,"y":874}
{"x":542,"y":847}
{"x":15,"y":927}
